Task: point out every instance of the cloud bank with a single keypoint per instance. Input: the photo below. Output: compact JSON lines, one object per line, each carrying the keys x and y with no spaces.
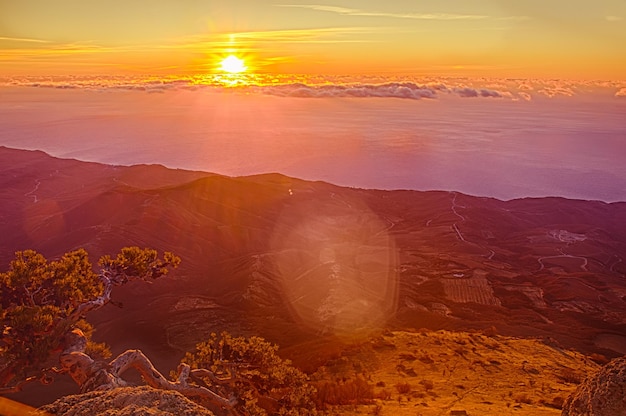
{"x":405,"y":90}
{"x":335,"y":87}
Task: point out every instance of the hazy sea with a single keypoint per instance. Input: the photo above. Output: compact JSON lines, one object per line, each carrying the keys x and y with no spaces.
{"x":502,"y":141}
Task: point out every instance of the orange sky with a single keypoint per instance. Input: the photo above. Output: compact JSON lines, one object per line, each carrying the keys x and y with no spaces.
{"x":505,"y":38}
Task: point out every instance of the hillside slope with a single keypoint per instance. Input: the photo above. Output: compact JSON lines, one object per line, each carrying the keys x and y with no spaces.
{"x":434,"y":373}
{"x":293,"y":260}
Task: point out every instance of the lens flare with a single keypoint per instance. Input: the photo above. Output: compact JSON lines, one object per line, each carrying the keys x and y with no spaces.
{"x":337,"y":263}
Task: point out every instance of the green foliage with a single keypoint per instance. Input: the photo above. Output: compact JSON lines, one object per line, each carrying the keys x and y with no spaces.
{"x":263,"y":382}
{"x":140,"y":263}
{"x":32,"y":281}
{"x":98,"y":350}
{"x":74,"y":280}
{"x":40,"y":301}
{"x":37,"y":296}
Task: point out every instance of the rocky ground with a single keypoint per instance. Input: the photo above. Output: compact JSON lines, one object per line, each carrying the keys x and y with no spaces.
{"x":426,"y":373}
{"x":437,"y":373}
{"x":600,"y":394}
{"x":126,"y":401}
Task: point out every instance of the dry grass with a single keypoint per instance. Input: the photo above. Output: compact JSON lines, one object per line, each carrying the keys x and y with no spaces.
{"x":469,"y":372}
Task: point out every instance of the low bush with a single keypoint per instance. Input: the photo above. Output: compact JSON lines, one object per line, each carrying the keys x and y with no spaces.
{"x":340,"y":392}
{"x":403,"y":388}
{"x":428,"y":384}
{"x":569,"y":376}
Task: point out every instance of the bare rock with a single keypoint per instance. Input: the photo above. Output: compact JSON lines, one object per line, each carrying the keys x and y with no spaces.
{"x":602,"y":394}
{"x":126,"y":401}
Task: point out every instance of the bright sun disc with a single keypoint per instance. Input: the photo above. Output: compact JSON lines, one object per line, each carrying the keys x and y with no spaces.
{"x":233,"y":65}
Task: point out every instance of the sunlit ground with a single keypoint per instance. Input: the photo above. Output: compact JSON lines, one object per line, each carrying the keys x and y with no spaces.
{"x":10,"y":407}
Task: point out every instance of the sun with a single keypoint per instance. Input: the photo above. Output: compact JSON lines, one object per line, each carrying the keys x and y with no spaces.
{"x":233,"y":65}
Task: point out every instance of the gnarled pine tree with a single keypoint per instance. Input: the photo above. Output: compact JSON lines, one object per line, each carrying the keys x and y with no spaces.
{"x":44,"y":332}
{"x":250,"y":370}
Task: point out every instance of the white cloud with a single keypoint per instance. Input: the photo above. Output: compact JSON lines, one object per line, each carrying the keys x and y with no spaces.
{"x":621,"y":92}
{"x":405,"y":90}
{"x":557,"y":90}
{"x":614,"y":18}
{"x":467,"y":92}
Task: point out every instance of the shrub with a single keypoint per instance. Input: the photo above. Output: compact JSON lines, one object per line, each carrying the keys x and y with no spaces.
{"x":418,"y":394}
{"x":569,"y":376}
{"x":460,"y":351}
{"x":557,"y":402}
{"x":352,"y":391}
{"x":522,"y":398}
{"x":407,"y":357}
{"x":426,"y":359}
{"x":403,"y":388}
{"x":428,"y":384}
{"x":490,"y":332}
{"x":599,"y":359}
{"x":384,"y":394}
{"x":259,"y":374}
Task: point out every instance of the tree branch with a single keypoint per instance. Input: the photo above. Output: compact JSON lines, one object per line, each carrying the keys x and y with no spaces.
{"x":137,"y":360}
{"x":96,"y":303}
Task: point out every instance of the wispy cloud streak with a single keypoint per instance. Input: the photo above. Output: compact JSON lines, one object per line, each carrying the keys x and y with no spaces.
{"x":300,"y":34}
{"x":313,"y":35}
{"x":418,"y":16}
{"x":360,"y":12}
{"x":27,"y":40}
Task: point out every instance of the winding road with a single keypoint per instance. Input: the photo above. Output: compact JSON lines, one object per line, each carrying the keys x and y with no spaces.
{"x":583,"y":266}
{"x":456,"y":229}
{"x":32,"y":192}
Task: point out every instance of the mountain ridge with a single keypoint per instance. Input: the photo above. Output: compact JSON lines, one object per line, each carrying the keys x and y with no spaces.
{"x":294,"y":260}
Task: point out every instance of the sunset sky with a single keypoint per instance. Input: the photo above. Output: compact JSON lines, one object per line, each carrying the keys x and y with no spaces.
{"x":577,"y":39}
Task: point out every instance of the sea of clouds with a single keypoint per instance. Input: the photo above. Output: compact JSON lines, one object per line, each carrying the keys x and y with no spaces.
{"x":333,"y":86}
{"x":497,"y":138}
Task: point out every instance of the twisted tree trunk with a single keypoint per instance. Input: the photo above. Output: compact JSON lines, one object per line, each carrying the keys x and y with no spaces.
{"x":92,"y":375}
{"x":89,"y":374}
